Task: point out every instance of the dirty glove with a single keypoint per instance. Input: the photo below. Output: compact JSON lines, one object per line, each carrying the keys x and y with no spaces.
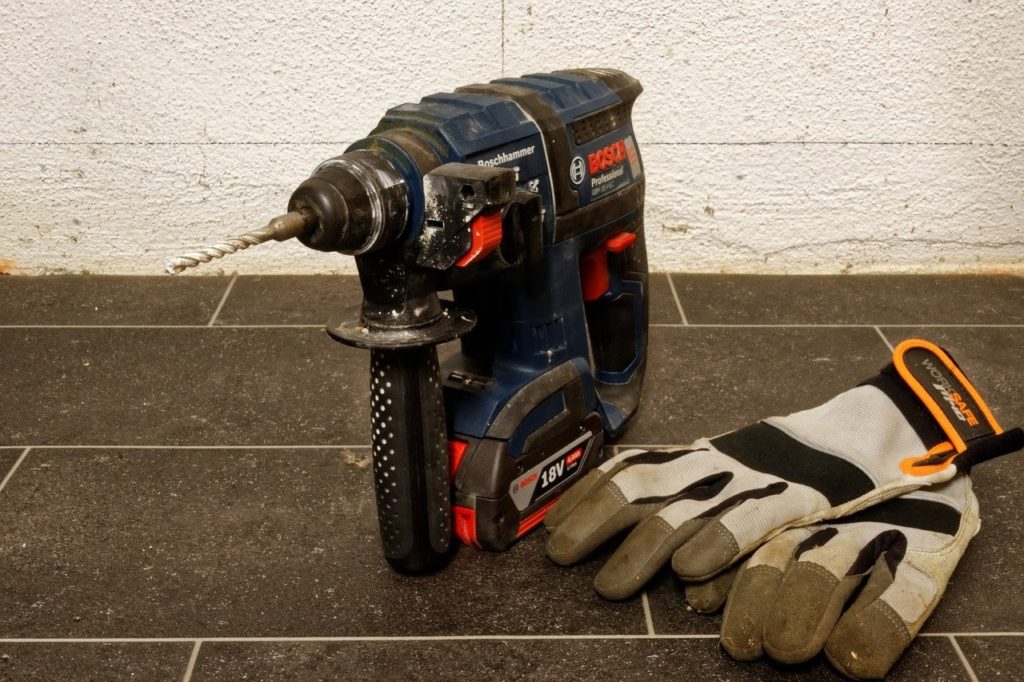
{"x":789,"y":600}
{"x":914,"y":424}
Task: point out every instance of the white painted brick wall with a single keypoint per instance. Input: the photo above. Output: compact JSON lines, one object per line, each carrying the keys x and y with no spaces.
{"x":788,"y":136}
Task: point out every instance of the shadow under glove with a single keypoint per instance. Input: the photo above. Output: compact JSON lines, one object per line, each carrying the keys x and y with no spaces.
{"x":790,"y":599}
{"x":914,"y":424}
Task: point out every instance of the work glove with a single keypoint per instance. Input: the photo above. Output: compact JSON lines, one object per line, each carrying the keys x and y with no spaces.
{"x":914,"y":424}
{"x":789,"y":599}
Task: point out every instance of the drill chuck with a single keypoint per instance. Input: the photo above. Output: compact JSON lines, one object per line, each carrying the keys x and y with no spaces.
{"x":359,"y":201}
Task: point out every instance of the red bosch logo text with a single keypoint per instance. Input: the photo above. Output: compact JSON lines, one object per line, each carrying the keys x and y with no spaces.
{"x":613,"y":154}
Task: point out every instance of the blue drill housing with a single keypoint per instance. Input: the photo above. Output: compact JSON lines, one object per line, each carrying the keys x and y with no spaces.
{"x":554,"y":364}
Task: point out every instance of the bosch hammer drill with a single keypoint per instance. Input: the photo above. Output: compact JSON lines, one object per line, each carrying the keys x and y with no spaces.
{"x":524,"y":197}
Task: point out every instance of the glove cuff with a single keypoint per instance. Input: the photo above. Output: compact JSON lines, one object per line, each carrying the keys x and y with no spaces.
{"x":943,"y":408}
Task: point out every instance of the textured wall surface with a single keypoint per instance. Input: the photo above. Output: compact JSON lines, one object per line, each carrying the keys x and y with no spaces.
{"x":788,"y":136}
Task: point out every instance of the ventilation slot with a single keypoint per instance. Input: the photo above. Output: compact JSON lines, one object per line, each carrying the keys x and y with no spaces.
{"x":600,"y":123}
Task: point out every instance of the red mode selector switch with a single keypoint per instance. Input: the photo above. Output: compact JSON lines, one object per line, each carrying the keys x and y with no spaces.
{"x":485,"y":232}
{"x":620,"y":242}
{"x":594,"y":265}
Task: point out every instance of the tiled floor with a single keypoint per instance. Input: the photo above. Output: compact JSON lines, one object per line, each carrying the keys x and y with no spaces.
{"x":185,"y":491}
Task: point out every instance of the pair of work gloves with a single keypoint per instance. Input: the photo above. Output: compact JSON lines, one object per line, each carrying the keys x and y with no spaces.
{"x":836,"y":528}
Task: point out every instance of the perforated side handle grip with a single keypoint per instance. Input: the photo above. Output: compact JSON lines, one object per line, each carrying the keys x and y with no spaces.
{"x":410,"y":458}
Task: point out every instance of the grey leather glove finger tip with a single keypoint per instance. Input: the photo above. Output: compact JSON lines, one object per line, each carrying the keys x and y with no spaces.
{"x":805,"y":612}
{"x":750,"y":600}
{"x":598,"y":517}
{"x":867,"y":643}
{"x":641,"y":554}
{"x":707,"y":553}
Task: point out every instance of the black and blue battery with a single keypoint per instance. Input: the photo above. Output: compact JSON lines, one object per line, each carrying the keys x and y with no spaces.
{"x":524,"y":197}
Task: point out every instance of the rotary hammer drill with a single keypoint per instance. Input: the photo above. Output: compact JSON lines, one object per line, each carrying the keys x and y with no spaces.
{"x":524,"y":198}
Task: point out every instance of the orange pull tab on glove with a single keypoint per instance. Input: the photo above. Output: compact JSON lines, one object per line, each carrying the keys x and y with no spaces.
{"x":957,"y":407}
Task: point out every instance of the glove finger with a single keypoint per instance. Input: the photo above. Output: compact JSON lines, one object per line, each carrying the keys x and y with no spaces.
{"x":740,"y":524}
{"x":596,"y":518}
{"x":872,"y":635}
{"x":579,"y":490}
{"x":645,"y":550}
{"x":652,"y":542}
{"x":829,"y":566}
{"x":708,"y":597}
{"x":644,"y":483}
{"x":753,"y":593}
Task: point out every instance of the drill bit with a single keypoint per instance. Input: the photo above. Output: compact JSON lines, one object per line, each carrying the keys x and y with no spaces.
{"x":281,"y":228}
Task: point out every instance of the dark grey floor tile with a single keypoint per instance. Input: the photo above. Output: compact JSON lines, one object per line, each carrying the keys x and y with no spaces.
{"x":986,"y":592}
{"x":7,"y":459}
{"x":851,"y":299}
{"x":994,"y":658}
{"x":618,"y":659}
{"x":181,"y":386}
{"x":93,"y":661}
{"x":71,"y":299}
{"x":289,"y":299}
{"x":703,"y":381}
{"x":663,"y":308}
{"x":267,"y":543}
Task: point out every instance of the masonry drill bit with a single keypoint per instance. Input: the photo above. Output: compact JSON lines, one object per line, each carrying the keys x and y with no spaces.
{"x":281,"y":228}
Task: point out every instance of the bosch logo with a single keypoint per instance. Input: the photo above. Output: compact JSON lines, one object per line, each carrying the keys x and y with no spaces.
{"x":577,"y":170}
{"x":613,"y":154}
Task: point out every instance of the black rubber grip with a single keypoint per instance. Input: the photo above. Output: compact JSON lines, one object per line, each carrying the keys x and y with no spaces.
{"x":410,"y":458}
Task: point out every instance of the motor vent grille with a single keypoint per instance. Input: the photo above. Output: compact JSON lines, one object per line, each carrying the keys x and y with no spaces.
{"x":600,"y":122}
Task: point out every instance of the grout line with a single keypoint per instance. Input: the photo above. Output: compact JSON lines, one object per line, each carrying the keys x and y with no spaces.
{"x":647,"y":613}
{"x":679,"y":305}
{"x":618,"y":448}
{"x":223,"y":299}
{"x":162,"y":326}
{"x":811,"y":325}
{"x":818,"y":143}
{"x":198,"y":447}
{"x":354,"y":638}
{"x":963,"y":658}
{"x":679,"y":143}
{"x":712,"y":325}
{"x":167,"y":143}
{"x":411,"y":638}
{"x":192,"y":661}
{"x":14,"y":467}
{"x":891,"y":349}
{"x":502,"y":68}
{"x":971,"y":634}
